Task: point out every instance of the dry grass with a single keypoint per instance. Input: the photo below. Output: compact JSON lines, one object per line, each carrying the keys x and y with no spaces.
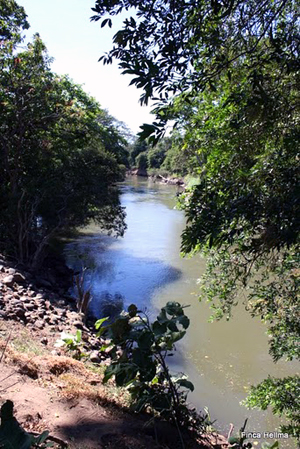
{"x":74,"y":378}
{"x":91,"y":388}
{"x":21,"y":339}
{"x":58,"y":365}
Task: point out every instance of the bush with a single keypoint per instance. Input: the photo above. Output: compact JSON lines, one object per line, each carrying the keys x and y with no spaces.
{"x":139,"y":350}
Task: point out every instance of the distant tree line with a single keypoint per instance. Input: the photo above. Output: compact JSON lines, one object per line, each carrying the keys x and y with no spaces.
{"x":169,"y":156}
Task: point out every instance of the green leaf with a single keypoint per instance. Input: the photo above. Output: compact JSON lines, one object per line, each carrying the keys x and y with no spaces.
{"x":172,"y":326}
{"x":78,"y":336}
{"x":99,"y":322}
{"x":159,"y":329}
{"x":145,"y":340}
{"x":186,"y":383}
{"x":132,"y":310}
{"x":176,"y":336}
{"x":162,"y":317}
{"x":173,"y":308}
{"x":42,"y":437}
{"x":184,"y":321}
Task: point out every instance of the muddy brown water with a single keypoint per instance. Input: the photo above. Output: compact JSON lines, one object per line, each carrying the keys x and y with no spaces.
{"x":222,"y":358}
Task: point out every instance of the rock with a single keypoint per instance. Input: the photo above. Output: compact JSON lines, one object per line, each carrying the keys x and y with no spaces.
{"x":94,"y":357}
{"x":78,"y":324}
{"x":40,"y":324}
{"x":8,"y":280}
{"x":30,"y":293}
{"x":19,"y":312}
{"x":12,"y":278}
{"x":44,"y":340}
{"x":2,"y":268}
{"x":39,"y":296}
{"x":11,"y":271}
{"x":18,"y":277}
{"x":30,"y":307}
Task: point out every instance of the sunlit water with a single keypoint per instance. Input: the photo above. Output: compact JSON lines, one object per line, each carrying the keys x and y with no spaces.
{"x":222,"y":358}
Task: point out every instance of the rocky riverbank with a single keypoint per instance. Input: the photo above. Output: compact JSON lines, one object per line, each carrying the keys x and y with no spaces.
{"x":43,"y":305}
{"x":171,"y":180}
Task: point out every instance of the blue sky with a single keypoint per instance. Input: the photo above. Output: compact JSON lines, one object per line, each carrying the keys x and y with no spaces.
{"x":76,"y":44}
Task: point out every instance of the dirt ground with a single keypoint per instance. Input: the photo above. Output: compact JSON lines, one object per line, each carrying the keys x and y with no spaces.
{"x":66,"y":397}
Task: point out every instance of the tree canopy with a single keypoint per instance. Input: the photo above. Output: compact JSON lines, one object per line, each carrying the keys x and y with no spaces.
{"x":12,"y":20}
{"x":181,"y":46}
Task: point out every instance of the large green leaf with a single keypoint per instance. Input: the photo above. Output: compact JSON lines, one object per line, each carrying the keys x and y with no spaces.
{"x":145,"y":340}
{"x":186,"y":384}
{"x":159,"y":328}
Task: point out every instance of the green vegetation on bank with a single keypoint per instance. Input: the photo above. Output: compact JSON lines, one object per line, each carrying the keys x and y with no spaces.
{"x":61,"y":153}
{"x":167,"y":157}
{"x":227,"y":73}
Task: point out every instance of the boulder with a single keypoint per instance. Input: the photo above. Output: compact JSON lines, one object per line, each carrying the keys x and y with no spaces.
{"x":94,"y":357}
{"x":8,"y":280}
{"x":18,"y":277}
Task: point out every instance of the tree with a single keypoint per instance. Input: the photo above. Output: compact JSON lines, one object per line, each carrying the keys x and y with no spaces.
{"x":12,"y":21}
{"x":244,"y":212}
{"x":135,"y":149}
{"x":142,"y":161}
{"x":181,"y":46}
{"x":60,"y":158}
{"x":156,"y":155}
{"x":231,"y":69}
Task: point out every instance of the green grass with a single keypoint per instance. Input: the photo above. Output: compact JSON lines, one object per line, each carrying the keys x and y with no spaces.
{"x":21,"y":340}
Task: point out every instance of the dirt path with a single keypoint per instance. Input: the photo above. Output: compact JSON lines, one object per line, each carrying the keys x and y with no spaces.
{"x":42,"y":404}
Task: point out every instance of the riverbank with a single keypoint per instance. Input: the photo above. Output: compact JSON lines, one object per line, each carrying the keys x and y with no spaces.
{"x":50,"y":390}
{"x":170,"y":180}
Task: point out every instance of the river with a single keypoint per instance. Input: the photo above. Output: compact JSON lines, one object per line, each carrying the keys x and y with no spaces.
{"x":223,"y":358}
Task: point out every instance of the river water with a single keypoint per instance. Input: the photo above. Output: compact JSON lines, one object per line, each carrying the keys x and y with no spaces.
{"x":223,"y":358}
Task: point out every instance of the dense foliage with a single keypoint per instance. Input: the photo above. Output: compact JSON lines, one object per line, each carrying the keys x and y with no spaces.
{"x":60,"y":152}
{"x":169,"y":156}
{"x":180,"y":46}
{"x":139,"y":351}
{"x":232,"y":69}
{"x":12,"y":18}
{"x":283,"y":395}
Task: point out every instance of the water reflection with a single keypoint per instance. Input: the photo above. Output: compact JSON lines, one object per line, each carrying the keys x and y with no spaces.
{"x":117,"y":273}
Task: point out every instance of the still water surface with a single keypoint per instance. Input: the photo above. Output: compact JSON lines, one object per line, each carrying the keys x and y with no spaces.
{"x":222,"y":358}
